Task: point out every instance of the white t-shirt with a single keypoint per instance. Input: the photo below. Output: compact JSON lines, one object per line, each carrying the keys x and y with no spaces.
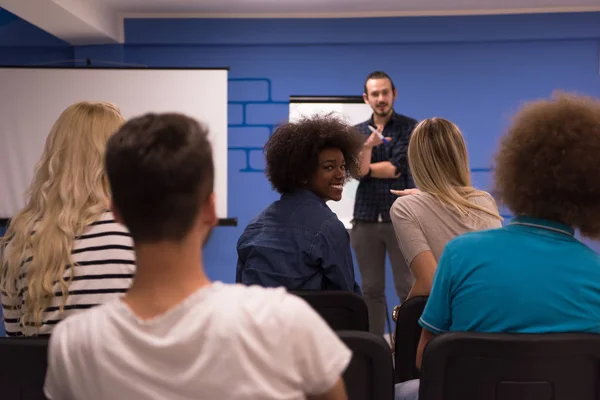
{"x":224,"y":342}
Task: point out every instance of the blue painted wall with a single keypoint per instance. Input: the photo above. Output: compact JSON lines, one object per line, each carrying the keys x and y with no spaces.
{"x":474,"y":71}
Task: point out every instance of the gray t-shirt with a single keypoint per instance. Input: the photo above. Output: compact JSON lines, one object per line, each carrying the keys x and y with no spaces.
{"x":422,"y":222}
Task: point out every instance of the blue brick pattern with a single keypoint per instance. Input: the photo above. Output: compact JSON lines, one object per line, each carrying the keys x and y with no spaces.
{"x":253,"y":111}
{"x":250,"y":107}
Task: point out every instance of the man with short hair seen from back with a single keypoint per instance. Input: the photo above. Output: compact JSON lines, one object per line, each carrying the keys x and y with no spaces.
{"x":175,"y":334}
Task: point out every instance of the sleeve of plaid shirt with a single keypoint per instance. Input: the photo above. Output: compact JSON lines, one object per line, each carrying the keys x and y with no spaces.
{"x":399,"y":157}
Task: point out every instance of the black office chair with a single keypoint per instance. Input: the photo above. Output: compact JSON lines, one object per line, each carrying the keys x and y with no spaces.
{"x":406,"y":338}
{"x":482,"y":366}
{"x":23,"y":368}
{"x":370,"y":375}
{"x":343,"y":311}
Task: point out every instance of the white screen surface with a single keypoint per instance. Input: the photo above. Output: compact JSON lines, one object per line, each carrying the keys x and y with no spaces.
{"x":32,"y":99}
{"x":354,"y":111}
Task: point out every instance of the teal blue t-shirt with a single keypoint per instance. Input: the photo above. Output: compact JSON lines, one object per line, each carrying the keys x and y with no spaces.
{"x":531,"y":276}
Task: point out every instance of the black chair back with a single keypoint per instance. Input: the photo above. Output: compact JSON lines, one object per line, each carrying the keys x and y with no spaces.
{"x":482,"y":366}
{"x":370,"y":374}
{"x":23,"y":368}
{"x":343,"y":311}
{"x":406,"y":339}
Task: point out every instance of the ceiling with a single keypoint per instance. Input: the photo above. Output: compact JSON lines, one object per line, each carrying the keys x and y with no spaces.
{"x":347,"y":7}
{"x":101,"y":21}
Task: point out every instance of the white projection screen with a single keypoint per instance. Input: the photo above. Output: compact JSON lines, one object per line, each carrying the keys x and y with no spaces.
{"x":33,"y":98}
{"x":353,"y":110}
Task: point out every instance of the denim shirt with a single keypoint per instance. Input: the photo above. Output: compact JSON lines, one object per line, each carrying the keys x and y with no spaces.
{"x":299,"y":243}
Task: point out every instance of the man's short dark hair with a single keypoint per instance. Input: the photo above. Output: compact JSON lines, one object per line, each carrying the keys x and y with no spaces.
{"x":292,"y":152}
{"x":378,"y":75}
{"x":160,"y":169}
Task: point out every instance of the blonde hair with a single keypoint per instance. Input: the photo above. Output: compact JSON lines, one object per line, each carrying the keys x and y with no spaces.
{"x":438,"y":159}
{"x":69,"y":191}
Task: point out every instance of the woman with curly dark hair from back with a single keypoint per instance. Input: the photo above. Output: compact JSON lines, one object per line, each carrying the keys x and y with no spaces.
{"x":533,"y":275}
{"x":297,"y":241}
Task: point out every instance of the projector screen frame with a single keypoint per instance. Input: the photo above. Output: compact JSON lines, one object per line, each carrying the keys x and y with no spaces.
{"x":116,"y":67}
{"x":327,"y":99}
{"x":230,"y":221}
{"x":222,"y":222}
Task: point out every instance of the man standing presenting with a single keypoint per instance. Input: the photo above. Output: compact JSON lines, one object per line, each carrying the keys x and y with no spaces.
{"x":384,"y":167}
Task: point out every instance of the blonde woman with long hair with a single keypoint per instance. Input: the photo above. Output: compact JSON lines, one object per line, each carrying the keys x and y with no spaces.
{"x":444,"y":205}
{"x":64,"y":252}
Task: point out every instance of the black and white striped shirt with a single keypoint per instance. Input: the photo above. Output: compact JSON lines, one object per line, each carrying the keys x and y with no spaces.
{"x":104,"y":267}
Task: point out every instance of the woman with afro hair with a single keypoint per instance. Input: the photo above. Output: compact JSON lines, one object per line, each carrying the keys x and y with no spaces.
{"x":297,"y":242}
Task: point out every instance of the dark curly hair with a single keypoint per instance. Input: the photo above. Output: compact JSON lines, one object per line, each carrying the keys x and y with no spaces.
{"x":292,"y":152}
{"x":548,"y":162}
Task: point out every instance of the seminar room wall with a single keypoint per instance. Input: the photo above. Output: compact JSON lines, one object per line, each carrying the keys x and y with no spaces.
{"x":473,"y":70}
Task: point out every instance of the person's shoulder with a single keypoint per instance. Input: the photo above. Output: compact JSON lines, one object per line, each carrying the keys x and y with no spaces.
{"x":331,"y":224}
{"x":107,"y":217}
{"x":253,"y":296}
{"x":484,"y":198}
{"x":405,"y":119}
{"x":86,"y":318}
{"x":589,"y":255}
{"x":410,"y":204}
{"x":237,"y":291}
{"x":258,"y":220}
{"x":464,"y":253}
{"x":258,"y":307}
{"x":363,"y":127}
{"x":313,"y":207}
{"x":475,"y":241}
{"x":105,"y":223}
{"x":76,"y":330}
{"x":418,"y":197}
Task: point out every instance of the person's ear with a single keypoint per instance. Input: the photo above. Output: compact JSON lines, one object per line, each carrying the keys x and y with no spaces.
{"x":366,"y":98}
{"x":395,"y":93}
{"x":208,"y":212}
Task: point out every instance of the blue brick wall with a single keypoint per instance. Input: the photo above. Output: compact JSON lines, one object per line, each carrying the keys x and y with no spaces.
{"x":474,"y":71}
{"x":251,"y":115}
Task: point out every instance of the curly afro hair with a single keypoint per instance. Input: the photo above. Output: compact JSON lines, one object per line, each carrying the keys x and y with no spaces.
{"x":548,"y":162}
{"x":292,"y":152}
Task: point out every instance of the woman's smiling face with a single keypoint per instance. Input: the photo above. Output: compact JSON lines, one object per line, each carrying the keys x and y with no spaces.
{"x":328,"y":180}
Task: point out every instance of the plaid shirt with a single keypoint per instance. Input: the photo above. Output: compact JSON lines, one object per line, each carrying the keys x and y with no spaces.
{"x":373,"y":197}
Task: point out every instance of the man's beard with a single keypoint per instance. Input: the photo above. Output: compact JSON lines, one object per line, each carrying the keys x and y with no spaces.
{"x":383,"y":114}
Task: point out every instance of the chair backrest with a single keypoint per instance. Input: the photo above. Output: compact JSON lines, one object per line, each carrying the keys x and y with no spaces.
{"x":406,"y":339}
{"x":482,"y":366}
{"x":343,"y":311}
{"x":370,"y":374}
{"x":23,"y":368}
